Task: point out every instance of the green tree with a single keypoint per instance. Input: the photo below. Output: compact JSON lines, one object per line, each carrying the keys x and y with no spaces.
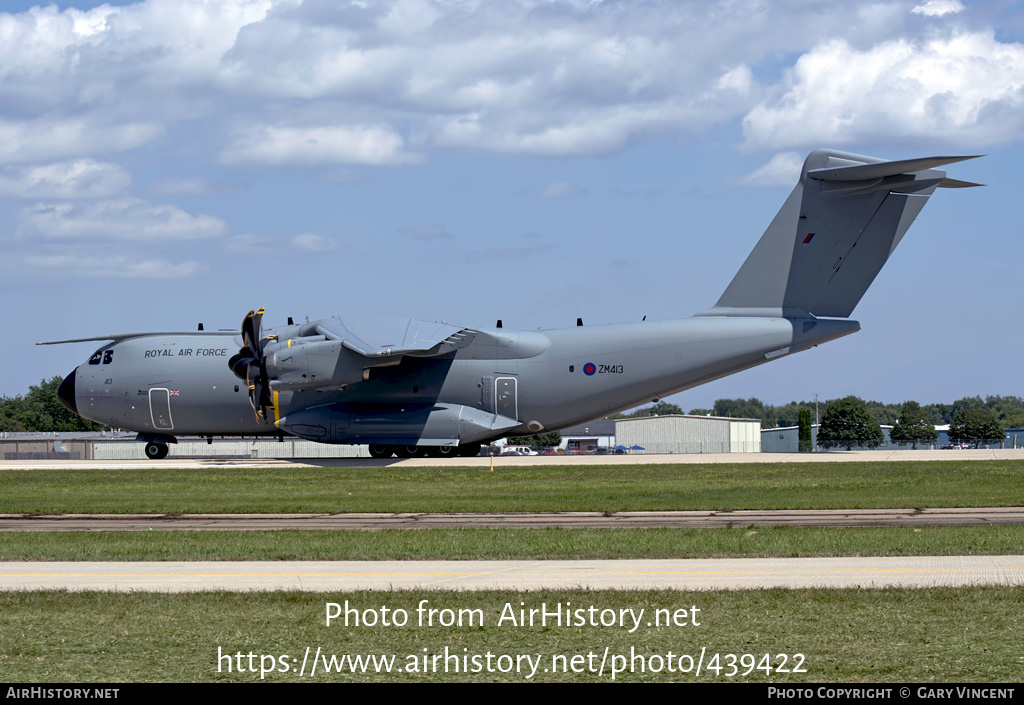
{"x":885,"y":414}
{"x":11,"y":413}
{"x":1009,"y":410}
{"x":662,"y":408}
{"x":752,"y":408}
{"x":913,"y":426}
{"x":847,"y":422}
{"x":976,"y":426}
{"x":806,"y":443}
{"x":41,"y":410}
{"x":538,"y":441}
{"x":788,"y":414}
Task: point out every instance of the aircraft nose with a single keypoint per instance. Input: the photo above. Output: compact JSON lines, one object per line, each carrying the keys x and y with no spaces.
{"x":66,"y":391}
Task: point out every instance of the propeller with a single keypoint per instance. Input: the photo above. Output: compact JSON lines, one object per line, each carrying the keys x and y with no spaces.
{"x":250,"y":363}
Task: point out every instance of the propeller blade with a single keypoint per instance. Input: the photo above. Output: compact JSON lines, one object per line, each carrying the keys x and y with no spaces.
{"x":247,"y":330}
{"x":250,"y":363}
{"x":257,"y":332}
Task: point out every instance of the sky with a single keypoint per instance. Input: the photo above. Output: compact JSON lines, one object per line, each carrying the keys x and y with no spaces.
{"x":169,"y":162}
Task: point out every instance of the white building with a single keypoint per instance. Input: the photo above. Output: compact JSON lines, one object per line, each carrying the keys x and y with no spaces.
{"x":690,"y":434}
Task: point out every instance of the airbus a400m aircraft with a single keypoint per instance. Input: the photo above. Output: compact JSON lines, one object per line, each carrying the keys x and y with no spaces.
{"x":407,"y":387}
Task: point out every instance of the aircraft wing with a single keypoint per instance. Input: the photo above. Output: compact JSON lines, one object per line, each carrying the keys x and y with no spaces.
{"x":390,"y":337}
{"x":336,"y":352}
{"x":118,"y":337}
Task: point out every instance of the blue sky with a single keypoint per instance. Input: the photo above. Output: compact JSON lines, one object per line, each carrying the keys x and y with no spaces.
{"x":173,"y":161}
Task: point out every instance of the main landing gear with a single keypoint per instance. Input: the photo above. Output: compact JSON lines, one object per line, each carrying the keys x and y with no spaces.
{"x":466,"y":450}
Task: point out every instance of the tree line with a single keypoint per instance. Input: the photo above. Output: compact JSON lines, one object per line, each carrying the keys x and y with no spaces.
{"x":851,"y":421}
{"x":41,"y":410}
{"x":1007,"y":410}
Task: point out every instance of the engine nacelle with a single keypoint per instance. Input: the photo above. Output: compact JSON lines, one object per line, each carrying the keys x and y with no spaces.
{"x":312,"y":363}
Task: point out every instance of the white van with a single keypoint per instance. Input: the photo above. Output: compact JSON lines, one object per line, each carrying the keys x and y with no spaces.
{"x":522,"y":450}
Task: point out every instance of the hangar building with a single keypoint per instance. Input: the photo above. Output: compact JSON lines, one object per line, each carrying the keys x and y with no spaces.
{"x":690,"y":434}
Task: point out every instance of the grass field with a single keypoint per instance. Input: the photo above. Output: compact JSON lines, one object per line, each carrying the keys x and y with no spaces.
{"x":509,"y":544}
{"x":942,"y":635}
{"x":516,"y":489}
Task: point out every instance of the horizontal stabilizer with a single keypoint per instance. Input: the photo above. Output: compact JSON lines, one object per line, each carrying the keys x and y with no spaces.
{"x":879,"y":170}
{"x":956,"y":183}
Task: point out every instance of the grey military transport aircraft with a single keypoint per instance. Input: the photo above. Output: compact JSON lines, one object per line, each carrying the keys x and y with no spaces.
{"x":408,"y":388}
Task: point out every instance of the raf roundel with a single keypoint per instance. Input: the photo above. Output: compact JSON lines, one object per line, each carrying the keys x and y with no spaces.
{"x":589,"y":368}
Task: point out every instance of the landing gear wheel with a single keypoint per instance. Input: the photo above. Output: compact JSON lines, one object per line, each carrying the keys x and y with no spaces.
{"x":156,"y":451}
{"x":469,"y":450}
{"x":410,"y":452}
{"x":378,"y":451}
{"x":443,"y":451}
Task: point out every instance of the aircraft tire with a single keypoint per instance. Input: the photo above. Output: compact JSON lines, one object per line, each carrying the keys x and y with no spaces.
{"x":410,"y":452}
{"x":443,"y":451}
{"x":379,"y":451}
{"x":469,"y":450}
{"x":156,"y":451}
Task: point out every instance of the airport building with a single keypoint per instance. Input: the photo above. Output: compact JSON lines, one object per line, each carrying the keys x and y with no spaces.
{"x":596,"y":436}
{"x":689,"y":434}
{"x":786,"y":440}
{"x":118,"y":445}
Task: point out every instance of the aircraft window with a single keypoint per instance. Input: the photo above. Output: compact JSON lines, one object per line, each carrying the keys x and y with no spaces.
{"x":572,"y":368}
{"x":96,"y":357}
{"x":108,"y":357}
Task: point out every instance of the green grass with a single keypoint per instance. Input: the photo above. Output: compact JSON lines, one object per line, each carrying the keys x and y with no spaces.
{"x":516,"y":489}
{"x":509,"y":544}
{"x":938,"y":634}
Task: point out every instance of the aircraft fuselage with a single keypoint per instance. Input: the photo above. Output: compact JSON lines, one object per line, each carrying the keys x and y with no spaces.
{"x":167,"y":385}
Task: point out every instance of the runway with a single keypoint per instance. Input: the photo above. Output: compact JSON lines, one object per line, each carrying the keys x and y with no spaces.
{"x":858,"y":456}
{"x":688,"y":574}
{"x":960,"y":516}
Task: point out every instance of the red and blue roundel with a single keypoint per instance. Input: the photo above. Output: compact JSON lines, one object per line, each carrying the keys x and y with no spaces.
{"x":589,"y":368}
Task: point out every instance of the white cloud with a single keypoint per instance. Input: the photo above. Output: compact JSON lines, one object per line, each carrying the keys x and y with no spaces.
{"x":561,"y":189}
{"x":782,"y":170}
{"x":82,"y":178}
{"x":967,"y":88}
{"x":117,"y":266}
{"x":312,"y":147}
{"x":248,"y":244}
{"x":314,"y":243}
{"x":939,"y":7}
{"x":46,"y":139}
{"x":191,"y":187}
{"x":740,"y":80}
{"x":319,"y":84}
{"x":118,"y":219}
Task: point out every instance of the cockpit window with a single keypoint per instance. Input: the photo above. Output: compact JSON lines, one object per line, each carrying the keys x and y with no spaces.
{"x":104,"y":356}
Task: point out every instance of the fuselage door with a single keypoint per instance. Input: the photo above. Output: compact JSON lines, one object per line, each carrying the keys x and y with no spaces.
{"x":160,"y":409}
{"x":506,"y":397}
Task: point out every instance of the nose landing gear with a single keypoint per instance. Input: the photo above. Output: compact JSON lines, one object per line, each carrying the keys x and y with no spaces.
{"x":156,"y":451}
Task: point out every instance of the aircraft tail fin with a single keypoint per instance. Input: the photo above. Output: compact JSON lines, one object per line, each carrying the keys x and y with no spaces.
{"x":833,"y":234}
